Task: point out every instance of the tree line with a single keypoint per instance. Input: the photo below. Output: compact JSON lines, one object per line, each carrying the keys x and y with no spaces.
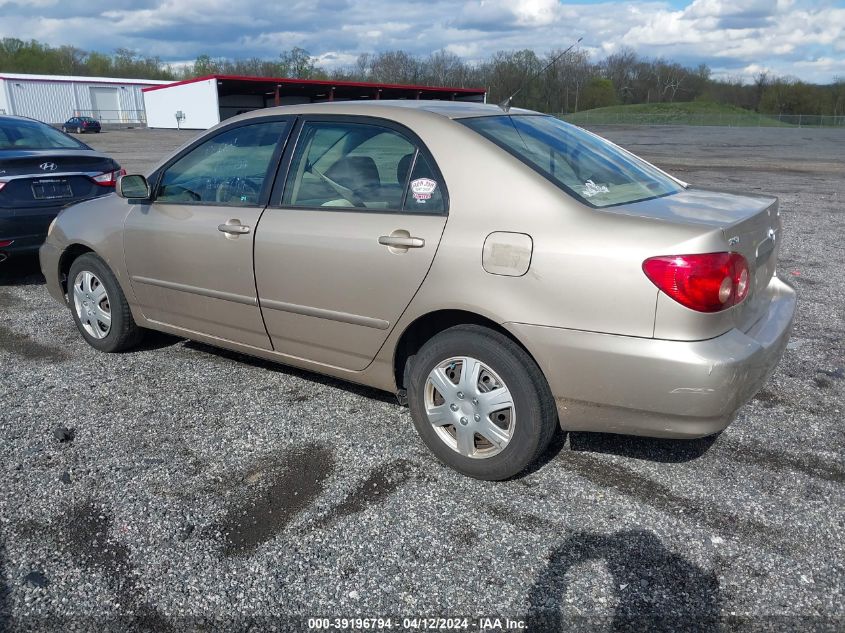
{"x":572,"y":83}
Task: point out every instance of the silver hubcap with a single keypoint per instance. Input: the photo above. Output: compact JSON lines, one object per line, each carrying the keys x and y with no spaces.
{"x":470,"y":407}
{"x":92,"y":304}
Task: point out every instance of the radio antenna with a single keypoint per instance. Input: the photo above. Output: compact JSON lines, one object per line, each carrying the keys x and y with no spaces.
{"x":506,"y":104}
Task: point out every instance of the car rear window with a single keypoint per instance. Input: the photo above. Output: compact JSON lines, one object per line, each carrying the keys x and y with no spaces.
{"x":587,"y":167}
{"x":24,"y":134}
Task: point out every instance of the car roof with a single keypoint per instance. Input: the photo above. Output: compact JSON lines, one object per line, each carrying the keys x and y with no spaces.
{"x":384,"y":107}
{"x":15,"y":117}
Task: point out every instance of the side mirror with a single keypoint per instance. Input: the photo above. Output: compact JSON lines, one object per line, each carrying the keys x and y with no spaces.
{"x":133,"y":187}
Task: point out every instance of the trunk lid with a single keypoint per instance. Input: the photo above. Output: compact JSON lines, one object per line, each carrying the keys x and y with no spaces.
{"x":749,"y":224}
{"x":757,"y":238}
{"x":36,"y":178}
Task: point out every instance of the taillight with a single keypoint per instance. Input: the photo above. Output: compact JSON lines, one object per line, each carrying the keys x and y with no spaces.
{"x":706,"y":283}
{"x":5,"y":243}
{"x":109,"y":178}
{"x":2,"y":184}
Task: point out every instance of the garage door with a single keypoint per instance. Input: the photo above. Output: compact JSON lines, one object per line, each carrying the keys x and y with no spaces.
{"x":105,"y":103}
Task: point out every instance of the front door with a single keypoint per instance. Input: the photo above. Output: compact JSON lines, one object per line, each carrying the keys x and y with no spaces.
{"x":189,"y":252}
{"x":342,"y":254}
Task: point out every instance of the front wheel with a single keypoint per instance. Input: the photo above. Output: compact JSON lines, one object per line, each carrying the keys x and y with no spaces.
{"x":99,"y":306}
{"x":64,"y":129}
{"x":480,"y":403}
{"x":79,"y":130}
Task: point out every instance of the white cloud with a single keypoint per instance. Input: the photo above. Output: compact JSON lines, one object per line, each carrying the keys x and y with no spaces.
{"x":805,"y":38}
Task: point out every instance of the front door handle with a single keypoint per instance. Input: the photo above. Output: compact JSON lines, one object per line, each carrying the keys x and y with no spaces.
{"x":233,"y":228}
{"x":397,"y":241}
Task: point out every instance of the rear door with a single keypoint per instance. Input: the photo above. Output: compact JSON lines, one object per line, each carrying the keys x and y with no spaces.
{"x":349,"y":240}
{"x":189,"y":252}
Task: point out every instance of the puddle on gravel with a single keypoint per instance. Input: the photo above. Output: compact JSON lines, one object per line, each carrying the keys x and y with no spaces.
{"x":7,"y":300}
{"x":86,"y":537}
{"x":632,"y":485}
{"x":807,"y":463}
{"x":22,"y":345}
{"x":522,"y":520}
{"x":374,"y":490}
{"x":282,"y":492}
{"x":5,"y":590}
{"x":769,"y":399}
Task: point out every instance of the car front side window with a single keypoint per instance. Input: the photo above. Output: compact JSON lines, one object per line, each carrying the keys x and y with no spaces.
{"x":228,"y":169}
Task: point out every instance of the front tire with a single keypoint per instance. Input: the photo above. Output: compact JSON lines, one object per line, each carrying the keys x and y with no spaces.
{"x":480,"y":403}
{"x":99,"y":307}
{"x":64,"y":129}
{"x":79,"y":130}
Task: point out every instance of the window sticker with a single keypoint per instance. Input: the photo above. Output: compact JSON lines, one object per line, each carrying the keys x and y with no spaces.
{"x":591,"y":189}
{"x":422,"y":188}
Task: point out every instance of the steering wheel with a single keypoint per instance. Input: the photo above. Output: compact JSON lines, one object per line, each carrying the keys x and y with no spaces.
{"x":236,"y":187}
{"x":179,"y":193}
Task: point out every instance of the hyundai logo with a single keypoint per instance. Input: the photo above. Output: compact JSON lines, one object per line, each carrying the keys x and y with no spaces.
{"x":48,"y":166}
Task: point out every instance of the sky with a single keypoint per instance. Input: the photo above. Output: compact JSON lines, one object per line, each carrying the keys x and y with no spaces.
{"x":736,"y":38}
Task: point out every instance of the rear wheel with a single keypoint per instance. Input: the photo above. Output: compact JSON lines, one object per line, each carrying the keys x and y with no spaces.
{"x":64,"y":129}
{"x":480,"y":402}
{"x":99,"y":306}
{"x":79,"y":130}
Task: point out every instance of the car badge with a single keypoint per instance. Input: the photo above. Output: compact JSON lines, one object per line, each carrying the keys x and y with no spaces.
{"x":733,"y":241}
{"x":48,"y":166}
{"x":772,"y":235}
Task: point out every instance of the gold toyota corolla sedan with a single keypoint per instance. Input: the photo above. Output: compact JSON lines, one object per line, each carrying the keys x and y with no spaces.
{"x":504,"y":273}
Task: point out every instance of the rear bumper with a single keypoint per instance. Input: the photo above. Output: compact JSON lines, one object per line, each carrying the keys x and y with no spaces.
{"x":26,"y":228}
{"x":659,"y":388}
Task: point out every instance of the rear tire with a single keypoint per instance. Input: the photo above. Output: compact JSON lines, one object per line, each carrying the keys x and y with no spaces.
{"x":64,"y":129}
{"x":79,"y":130}
{"x":463,"y":426}
{"x":99,"y":307}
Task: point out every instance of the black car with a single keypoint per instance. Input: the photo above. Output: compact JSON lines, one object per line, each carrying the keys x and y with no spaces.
{"x":81,"y":124}
{"x":43,"y":171}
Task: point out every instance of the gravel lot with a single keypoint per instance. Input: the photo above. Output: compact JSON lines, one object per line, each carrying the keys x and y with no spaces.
{"x":205,"y":490}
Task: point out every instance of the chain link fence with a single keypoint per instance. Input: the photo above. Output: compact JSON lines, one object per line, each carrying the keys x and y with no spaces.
{"x":749,"y":119}
{"x":115,"y":117}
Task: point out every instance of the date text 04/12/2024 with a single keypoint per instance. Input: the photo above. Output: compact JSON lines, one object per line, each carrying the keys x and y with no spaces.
{"x":417,"y":624}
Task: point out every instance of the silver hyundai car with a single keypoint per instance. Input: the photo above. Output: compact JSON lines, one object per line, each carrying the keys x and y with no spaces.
{"x":504,"y":273}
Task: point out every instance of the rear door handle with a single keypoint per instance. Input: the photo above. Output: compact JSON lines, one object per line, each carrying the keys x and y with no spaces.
{"x":233,"y":228}
{"x":401,"y":242}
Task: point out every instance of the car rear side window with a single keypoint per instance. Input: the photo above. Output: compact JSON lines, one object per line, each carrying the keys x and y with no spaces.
{"x":349,"y":165}
{"x":229,"y":169}
{"x":425,"y":191}
{"x":358,"y":166}
{"x":28,"y":134}
{"x":585,"y":166}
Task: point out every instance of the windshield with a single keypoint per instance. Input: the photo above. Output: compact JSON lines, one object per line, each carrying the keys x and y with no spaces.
{"x":25,"y":134}
{"x":585,"y":166}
